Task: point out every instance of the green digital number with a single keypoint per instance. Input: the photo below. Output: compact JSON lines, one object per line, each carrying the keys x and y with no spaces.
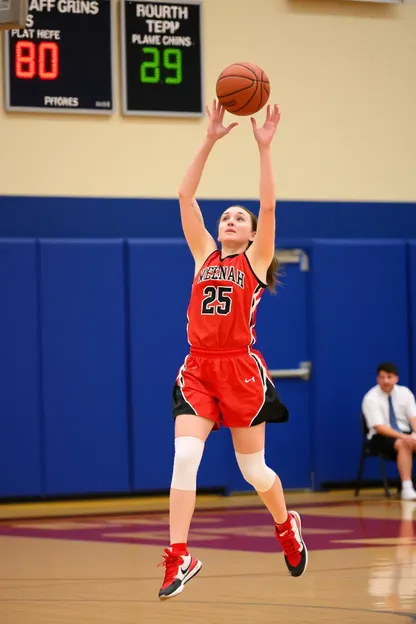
{"x":150,"y":70}
{"x":172,"y":59}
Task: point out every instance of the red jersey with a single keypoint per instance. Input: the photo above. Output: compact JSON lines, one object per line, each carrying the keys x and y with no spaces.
{"x":224,"y":299}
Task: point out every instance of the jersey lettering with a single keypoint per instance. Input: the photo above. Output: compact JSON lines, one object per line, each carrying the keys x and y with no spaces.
{"x":223,"y":273}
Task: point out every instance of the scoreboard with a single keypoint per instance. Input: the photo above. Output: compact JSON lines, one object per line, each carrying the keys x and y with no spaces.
{"x":63,"y":60}
{"x":161,"y":58}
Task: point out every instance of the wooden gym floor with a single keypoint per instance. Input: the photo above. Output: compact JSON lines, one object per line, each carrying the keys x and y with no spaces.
{"x":96,"y":563}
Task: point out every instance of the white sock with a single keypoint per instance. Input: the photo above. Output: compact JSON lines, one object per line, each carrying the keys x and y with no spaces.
{"x":407,"y":485}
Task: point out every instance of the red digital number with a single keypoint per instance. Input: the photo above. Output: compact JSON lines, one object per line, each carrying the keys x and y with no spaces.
{"x":45,"y":62}
{"x":52,"y":49}
{"x":25,"y":59}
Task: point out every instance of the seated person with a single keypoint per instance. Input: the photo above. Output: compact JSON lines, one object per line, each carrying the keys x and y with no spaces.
{"x":390,"y":414}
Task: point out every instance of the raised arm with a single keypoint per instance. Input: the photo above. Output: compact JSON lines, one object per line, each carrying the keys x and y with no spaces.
{"x":200,"y":241}
{"x":262,"y":250}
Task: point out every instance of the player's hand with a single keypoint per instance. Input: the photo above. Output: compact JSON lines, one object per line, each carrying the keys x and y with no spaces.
{"x":265,"y":134}
{"x":216,"y":129}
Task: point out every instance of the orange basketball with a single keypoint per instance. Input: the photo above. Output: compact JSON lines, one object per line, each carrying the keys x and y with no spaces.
{"x":243,"y":88}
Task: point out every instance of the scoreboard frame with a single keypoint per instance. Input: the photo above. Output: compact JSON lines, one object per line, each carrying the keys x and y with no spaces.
{"x":105,"y":111}
{"x":123,"y":64}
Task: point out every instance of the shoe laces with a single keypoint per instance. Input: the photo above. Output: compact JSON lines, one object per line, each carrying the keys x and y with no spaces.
{"x":171,"y":562}
{"x":290,"y":546}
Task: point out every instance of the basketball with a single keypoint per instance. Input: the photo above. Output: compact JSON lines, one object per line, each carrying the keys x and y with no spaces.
{"x":243,"y":89}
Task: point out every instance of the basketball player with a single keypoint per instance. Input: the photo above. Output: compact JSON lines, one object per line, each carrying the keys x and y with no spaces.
{"x":223,"y":380}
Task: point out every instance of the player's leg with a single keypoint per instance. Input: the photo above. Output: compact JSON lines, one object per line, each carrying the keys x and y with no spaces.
{"x":191,"y":433}
{"x":249,"y":400}
{"x":249,"y":449}
{"x":190,"y":400}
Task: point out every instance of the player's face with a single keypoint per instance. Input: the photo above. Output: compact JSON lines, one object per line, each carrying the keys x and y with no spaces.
{"x":235,"y":227}
{"x":387,"y":381}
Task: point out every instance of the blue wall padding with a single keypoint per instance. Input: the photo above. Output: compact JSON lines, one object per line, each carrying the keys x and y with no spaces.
{"x":360,"y":319}
{"x":102,"y":217}
{"x":20,"y":441}
{"x":84,"y":366}
{"x":412,"y":310}
{"x":160,"y":279}
{"x":93,"y":333}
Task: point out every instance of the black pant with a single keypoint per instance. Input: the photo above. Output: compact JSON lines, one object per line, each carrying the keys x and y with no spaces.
{"x":384,"y":444}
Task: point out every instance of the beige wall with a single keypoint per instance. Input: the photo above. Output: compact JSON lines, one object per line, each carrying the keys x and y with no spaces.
{"x":344,"y":77}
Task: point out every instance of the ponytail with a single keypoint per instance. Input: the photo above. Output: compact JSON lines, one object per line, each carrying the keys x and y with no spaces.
{"x":272,"y":275}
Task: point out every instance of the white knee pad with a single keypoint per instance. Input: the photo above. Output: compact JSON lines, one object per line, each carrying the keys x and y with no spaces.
{"x":254,"y":470}
{"x":188,"y":455}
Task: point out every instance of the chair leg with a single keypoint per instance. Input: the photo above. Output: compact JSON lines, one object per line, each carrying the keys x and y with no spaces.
{"x":384,"y":476}
{"x":360,"y":473}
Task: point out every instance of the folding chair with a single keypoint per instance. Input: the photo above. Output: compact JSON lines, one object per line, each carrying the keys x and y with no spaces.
{"x":368,"y":452}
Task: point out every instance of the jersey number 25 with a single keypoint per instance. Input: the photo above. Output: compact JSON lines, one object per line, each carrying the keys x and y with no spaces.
{"x":217,"y":300}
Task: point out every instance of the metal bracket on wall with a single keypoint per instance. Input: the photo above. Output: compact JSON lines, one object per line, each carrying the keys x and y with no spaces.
{"x":293,"y":256}
{"x":13,"y":14}
{"x":303,"y":372}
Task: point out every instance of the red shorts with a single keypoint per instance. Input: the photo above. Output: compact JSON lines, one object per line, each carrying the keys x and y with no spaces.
{"x":231,"y":388}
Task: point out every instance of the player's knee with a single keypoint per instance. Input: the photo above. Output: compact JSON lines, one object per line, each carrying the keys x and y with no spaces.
{"x":255,"y":471}
{"x":188,"y":455}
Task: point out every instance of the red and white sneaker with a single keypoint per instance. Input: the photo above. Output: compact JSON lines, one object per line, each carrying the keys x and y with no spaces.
{"x":294,"y":548}
{"x":179,"y":570}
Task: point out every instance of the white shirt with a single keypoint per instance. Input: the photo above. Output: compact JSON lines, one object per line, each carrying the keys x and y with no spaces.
{"x":375,"y":407}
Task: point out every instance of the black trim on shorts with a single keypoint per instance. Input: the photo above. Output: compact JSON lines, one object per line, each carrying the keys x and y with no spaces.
{"x":273,"y":410}
{"x":179,"y":404}
{"x":181,"y":407}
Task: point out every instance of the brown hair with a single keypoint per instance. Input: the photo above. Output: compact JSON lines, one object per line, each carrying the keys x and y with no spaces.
{"x":387,"y":367}
{"x":272,"y":274}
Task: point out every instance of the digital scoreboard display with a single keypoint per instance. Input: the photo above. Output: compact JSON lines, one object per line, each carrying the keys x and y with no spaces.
{"x":63,"y":60}
{"x":162,"y":58}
